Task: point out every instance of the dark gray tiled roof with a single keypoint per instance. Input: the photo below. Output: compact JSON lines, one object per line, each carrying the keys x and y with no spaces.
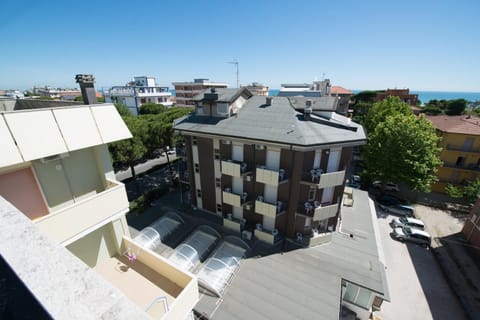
{"x":276,"y":123}
{"x":224,"y":94}
{"x":306,"y":283}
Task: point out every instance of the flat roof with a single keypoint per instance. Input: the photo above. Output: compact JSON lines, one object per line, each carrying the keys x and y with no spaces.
{"x":276,"y":123}
{"x":306,"y":283}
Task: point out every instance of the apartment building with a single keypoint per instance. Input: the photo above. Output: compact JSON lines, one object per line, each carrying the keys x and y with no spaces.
{"x":56,"y":170}
{"x":185,"y":91}
{"x":460,"y":149}
{"x":257,"y":89}
{"x":272,"y":167}
{"x":141,"y":90}
{"x":316,"y":89}
{"x":344,"y":95}
{"x":404,"y":95}
{"x":471,"y":228}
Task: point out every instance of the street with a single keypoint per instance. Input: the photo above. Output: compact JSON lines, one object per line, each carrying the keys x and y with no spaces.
{"x":418,"y":289}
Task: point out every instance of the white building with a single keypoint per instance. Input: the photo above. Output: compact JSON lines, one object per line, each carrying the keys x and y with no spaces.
{"x":185,"y":91}
{"x":141,"y":90}
{"x":316,"y":89}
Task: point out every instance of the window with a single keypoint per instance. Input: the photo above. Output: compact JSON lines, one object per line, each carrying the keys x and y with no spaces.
{"x":197,"y":168}
{"x":143,"y":100}
{"x":199,"y":193}
{"x":217,"y":154}
{"x":356,"y":295}
{"x":217,"y":182}
{"x":219,"y":207}
{"x":194,"y":141}
{"x":311,"y":193}
{"x":460,"y":161}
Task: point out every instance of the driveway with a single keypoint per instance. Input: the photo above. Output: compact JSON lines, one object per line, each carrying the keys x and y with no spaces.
{"x":418,"y":289}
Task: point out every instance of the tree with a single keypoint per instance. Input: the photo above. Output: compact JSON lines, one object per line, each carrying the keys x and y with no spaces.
{"x":131,"y":150}
{"x":403,"y":148}
{"x":123,"y":110}
{"x":360,"y":109}
{"x":469,"y":192}
{"x":151,"y":108}
{"x":382,"y":109}
{"x":455,"y":107}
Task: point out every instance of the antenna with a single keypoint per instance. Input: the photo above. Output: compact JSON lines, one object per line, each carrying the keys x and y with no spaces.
{"x":235,"y":62}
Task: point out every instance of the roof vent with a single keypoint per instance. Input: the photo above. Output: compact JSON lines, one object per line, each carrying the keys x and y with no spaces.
{"x":268,"y":101}
{"x":212,"y":90}
{"x":308,"y":109}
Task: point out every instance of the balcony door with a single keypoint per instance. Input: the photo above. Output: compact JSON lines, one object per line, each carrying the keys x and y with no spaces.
{"x":333,"y":161}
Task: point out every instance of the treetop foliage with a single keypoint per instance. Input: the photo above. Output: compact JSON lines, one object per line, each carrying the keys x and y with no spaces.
{"x":382,"y":109}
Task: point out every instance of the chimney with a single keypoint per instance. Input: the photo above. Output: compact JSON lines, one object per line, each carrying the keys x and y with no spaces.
{"x":308,"y":109}
{"x":86,"y":82}
{"x":268,"y":101}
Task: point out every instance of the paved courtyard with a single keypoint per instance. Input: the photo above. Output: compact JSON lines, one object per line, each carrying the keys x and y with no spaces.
{"x":418,"y":288}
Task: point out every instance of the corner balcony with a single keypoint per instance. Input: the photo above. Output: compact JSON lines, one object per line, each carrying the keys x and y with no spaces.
{"x":452,"y":147}
{"x":269,"y":209}
{"x":68,"y":222}
{"x":316,"y":177}
{"x":270,"y":177}
{"x":234,"y":168}
{"x":151,"y":282}
{"x":462,"y":166}
{"x":233,"y":223}
{"x":318,"y":211}
{"x":266,"y":235}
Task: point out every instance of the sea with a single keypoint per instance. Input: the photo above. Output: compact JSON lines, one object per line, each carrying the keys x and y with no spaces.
{"x":425,"y":96}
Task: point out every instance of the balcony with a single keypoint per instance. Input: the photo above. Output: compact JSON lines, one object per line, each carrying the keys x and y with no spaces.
{"x":68,"y":222}
{"x":232,"y":223}
{"x":316,"y":177}
{"x":270,"y":177}
{"x":318,"y":211}
{"x":234,"y":199}
{"x":462,"y":149}
{"x":151,"y":282}
{"x":234,"y":168}
{"x":266,"y":235}
{"x":469,"y":167}
{"x":269,"y":209}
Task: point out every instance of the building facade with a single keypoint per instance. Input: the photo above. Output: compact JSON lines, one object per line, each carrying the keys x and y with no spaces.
{"x":271,"y":166}
{"x":56,"y":169}
{"x":257,"y":89}
{"x":404,"y":95}
{"x":471,"y":228}
{"x":186,"y":91}
{"x":344,"y":95}
{"x":460,"y":150}
{"x":316,"y":89}
{"x":141,"y":90}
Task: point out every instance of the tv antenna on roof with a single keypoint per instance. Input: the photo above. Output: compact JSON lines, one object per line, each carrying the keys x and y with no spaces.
{"x":235,"y":62}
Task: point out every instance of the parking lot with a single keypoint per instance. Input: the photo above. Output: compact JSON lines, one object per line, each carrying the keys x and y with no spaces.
{"x":418,"y":288}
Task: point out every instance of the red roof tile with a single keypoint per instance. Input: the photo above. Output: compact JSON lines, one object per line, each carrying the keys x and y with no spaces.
{"x":456,"y":124}
{"x":339,"y":90}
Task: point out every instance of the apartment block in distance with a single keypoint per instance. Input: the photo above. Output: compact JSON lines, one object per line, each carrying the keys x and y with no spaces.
{"x":141,"y":90}
{"x":272,"y":167}
{"x":460,"y":149}
{"x":257,"y":89}
{"x":185,"y":91}
{"x":55,"y":168}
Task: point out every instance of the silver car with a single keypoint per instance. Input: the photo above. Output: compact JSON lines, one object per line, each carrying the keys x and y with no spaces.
{"x":398,"y":209}
{"x":407,"y":222}
{"x":413,"y":235}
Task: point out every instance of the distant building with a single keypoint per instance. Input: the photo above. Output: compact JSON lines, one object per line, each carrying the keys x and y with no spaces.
{"x":404,"y":95}
{"x":257,"y":89}
{"x":185,"y":91}
{"x":460,"y":149}
{"x":344,"y":95}
{"x":141,"y":90}
{"x":316,"y":89}
{"x":471,"y":228}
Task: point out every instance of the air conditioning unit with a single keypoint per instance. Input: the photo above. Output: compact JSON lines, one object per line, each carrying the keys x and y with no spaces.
{"x":55,"y":157}
{"x":249,"y":178}
{"x":226,"y":141}
{"x":259,"y":147}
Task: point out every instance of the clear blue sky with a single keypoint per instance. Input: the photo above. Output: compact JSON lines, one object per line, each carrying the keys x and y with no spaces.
{"x":422,"y":44}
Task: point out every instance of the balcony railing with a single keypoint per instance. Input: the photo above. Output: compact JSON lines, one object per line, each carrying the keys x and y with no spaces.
{"x":323,"y":180}
{"x":80,"y":216}
{"x":234,"y":168}
{"x":462,"y":148}
{"x":269,"y":209}
{"x":470,"y":166}
{"x":270,"y":177}
{"x":266,"y":235}
{"x":318,"y":211}
{"x":233,"y":223}
{"x":234,"y":199}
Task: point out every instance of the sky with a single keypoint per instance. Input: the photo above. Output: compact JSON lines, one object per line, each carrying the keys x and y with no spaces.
{"x":421,"y":45}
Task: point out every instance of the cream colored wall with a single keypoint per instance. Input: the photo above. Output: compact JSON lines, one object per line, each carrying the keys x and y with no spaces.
{"x":69,"y":222}
{"x":95,"y":247}
{"x":104,"y":162}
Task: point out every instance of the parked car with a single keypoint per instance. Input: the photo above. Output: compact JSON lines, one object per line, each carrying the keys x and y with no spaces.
{"x":398,"y":209}
{"x":388,"y":186}
{"x":407,"y":222}
{"x":412,"y":234}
